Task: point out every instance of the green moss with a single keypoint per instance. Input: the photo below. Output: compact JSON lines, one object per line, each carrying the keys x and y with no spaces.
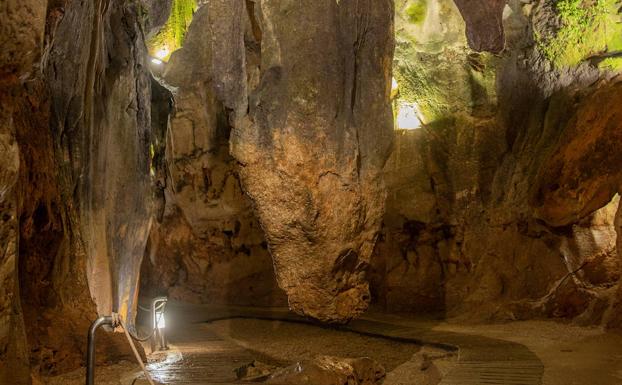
{"x":588,"y":28}
{"x":611,"y":63}
{"x":172,"y":35}
{"x":417,"y":85}
{"x":416,"y":11}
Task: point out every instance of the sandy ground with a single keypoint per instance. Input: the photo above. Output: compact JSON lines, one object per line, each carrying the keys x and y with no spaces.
{"x":291,"y":342}
{"x":571,"y":355}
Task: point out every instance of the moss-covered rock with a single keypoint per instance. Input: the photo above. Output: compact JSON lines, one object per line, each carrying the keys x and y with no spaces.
{"x":416,"y":11}
{"x":433,"y":66}
{"x":581,"y":30}
{"x":171,"y":36}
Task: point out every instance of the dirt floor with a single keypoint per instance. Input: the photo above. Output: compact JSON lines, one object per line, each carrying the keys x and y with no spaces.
{"x":569,"y":355}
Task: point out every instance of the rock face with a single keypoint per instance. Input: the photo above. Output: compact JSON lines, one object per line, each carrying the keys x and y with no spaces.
{"x":313,"y":146}
{"x":484,"y":24}
{"x":106,"y":148}
{"x":503,"y":204}
{"x":209,"y":246}
{"x":75,"y":179}
{"x":21,"y":35}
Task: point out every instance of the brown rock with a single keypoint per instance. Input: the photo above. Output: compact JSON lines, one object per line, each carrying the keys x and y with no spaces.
{"x":314,"y":143}
{"x":326,"y":370}
{"x":484,"y":24}
{"x":209,"y":247}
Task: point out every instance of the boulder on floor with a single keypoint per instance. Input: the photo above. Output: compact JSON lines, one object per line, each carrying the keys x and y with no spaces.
{"x":326,"y":370}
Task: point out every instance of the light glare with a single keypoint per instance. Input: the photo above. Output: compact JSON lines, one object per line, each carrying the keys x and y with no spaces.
{"x":160,"y":320}
{"x":408,"y":116}
{"x":162,"y":53}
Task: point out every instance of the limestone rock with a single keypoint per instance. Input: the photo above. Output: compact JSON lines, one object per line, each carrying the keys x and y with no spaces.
{"x":255,"y":371}
{"x":158,"y":12}
{"x":106,"y":148}
{"x":209,"y":246}
{"x":505,"y":190}
{"x":313,"y":146}
{"x":484,"y":24}
{"x":326,"y":370}
{"x":21,"y":33}
{"x":578,"y":178}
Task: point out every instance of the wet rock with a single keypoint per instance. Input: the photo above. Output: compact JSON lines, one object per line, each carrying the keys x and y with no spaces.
{"x":326,"y":370}
{"x":313,"y":146}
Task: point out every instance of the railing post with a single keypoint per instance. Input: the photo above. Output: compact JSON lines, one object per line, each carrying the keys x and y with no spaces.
{"x":90,"y":352}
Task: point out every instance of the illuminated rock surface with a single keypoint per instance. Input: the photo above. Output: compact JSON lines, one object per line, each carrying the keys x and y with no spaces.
{"x":259,"y":165}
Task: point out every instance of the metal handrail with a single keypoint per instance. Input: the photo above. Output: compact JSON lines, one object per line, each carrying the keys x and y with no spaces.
{"x":90,"y":352}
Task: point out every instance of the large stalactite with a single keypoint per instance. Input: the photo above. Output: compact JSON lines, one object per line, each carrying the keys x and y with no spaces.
{"x":314,"y":143}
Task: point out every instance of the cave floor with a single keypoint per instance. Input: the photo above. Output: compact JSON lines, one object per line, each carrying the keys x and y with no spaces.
{"x":209,"y":342}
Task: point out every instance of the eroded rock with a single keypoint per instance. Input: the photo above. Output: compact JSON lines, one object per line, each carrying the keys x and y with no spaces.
{"x":21,"y":33}
{"x":314,"y":143}
{"x":326,"y":370}
{"x":98,"y":62}
{"x":209,"y":246}
{"x":484,"y":24}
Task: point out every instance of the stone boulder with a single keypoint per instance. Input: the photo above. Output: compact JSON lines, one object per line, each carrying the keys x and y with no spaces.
{"x":326,"y":370}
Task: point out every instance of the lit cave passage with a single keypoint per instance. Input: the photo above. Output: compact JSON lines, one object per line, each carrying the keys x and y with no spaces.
{"x":321,"y":192}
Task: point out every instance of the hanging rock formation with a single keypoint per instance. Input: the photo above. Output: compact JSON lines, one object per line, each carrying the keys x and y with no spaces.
{"x":484,"y":24}
{"x":314,"y":143}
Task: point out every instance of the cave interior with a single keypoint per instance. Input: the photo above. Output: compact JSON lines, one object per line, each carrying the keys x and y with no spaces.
{"x":320,"y":192}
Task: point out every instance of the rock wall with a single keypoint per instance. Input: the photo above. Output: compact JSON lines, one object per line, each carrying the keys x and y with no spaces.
{"x":76,"y":197}
{"x":308,"y":152}
{"x":502,"y":205}
{"x":209,"y":246}
{"x":21,"y":35}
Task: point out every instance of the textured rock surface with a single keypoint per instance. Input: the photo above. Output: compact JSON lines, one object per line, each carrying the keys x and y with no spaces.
{"x":101,"y":110}
{"x":484,"y":24}
{"x":312,"y":148}
{"x":326,"y":370}
{"x":75,"y":154}
{"x":209,"y":246}
{"x":493,"y":207}
{"x":21,"y":33}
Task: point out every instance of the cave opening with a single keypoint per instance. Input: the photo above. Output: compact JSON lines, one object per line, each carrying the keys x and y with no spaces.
{"x":333,"y":192}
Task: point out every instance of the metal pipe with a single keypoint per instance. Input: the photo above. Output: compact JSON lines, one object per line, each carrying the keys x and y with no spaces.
{"x":90,"y":352}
